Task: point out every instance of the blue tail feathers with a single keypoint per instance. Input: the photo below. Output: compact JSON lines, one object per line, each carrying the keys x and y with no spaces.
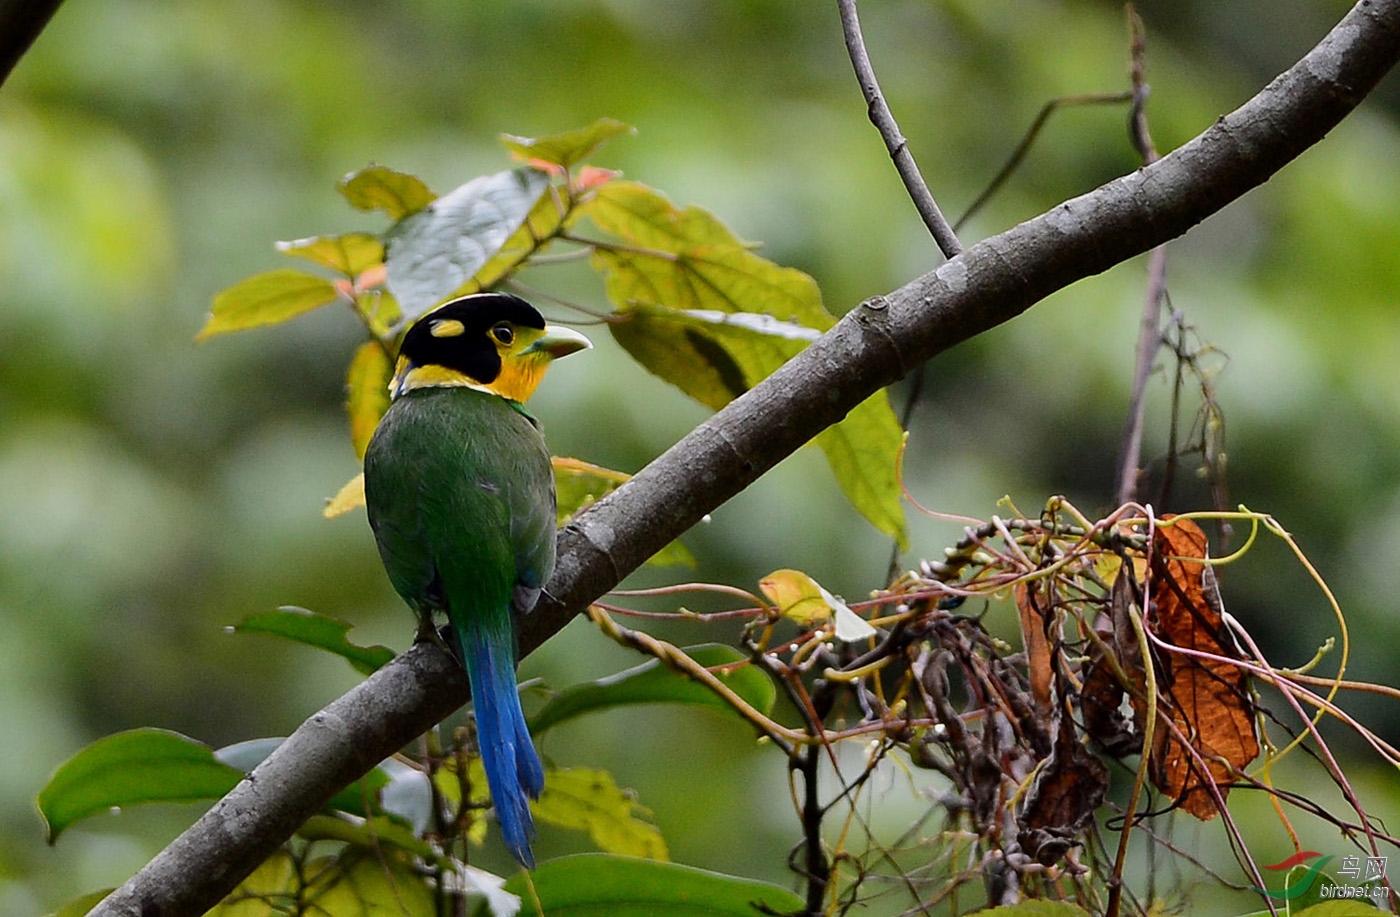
{"x":513,"y":769}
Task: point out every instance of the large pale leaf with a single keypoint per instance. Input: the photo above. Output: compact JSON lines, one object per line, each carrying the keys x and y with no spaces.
{"x":350,"y":254}
{"x":433,"y":252}
{"x":589,"y":800}
{"x":653,"y":683}
{"x":568,"y":148}
{"x":266,"y":299}
{"x":138,"y":766}
{"x":367,"y":393}
{"x":380,"y":188}
{"x":544,"y":221}
{"x":593,"y":884}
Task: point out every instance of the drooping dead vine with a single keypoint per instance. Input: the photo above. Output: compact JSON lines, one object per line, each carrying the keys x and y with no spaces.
{"x":1129,"y":669}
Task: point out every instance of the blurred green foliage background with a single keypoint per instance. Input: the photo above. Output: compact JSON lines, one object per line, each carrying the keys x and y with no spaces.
{"x":153,"y":491}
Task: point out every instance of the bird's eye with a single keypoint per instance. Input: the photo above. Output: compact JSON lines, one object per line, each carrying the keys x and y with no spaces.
{"x":504,"y":334}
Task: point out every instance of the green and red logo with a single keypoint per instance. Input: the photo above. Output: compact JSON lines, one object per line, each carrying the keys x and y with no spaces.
{"x":1299,"y":888}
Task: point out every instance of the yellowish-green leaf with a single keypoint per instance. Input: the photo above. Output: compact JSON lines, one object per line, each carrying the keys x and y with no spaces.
{"x":367,"y":883}
{"x":449,"y":787}
{"x":350,"y":254}
{"x":578,"y":484}
{"x":711,"y":317}
{"x":264,"y":892}
{"x":349,"y":497}
{"x":398,"y":194}
{"x":266,"y":299}
{"x":802,"y":599}
{"x":688,"y":259}
{"x":567,"y":148}
{"x":590,"y":800}
{"x":684,"y":355}
{"x":863,"y":452}
{"x":367,"y":393}
{"x":714,"y":357}
{"x":796,"y":596}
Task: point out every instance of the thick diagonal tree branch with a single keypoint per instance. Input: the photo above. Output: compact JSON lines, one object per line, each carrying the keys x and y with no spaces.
{"x":874,"y":345}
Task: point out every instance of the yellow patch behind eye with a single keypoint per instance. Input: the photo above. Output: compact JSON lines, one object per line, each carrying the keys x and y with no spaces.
{"x":446,"y":328}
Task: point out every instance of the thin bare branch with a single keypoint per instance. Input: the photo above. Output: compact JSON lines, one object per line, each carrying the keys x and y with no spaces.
{"x":883,"y":119}
{"x":1150,"y":330}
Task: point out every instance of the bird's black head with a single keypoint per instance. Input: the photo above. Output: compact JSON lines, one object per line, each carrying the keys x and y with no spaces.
{"x":491,"y":341}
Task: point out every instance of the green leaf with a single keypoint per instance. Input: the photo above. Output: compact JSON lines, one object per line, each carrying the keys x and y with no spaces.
{"x":863,"y":452}
{"x":350,"y":254}
{"x":653,"y":683}
{"x":367,"y":393}
{"x":589,"y":800}
{"x":435,"y":251}
{"x":317,"y":630}
{"x":141,"y":765}
{"x":570,"y":147}
{"x":266,"y":299}
{"x":380,"y":188}
{"x":580,"y":484}
{"x":592,"y":884}
{"x":360,"y":798}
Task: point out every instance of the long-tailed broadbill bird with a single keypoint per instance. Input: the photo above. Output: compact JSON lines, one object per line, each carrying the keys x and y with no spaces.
{"x":460,"y":494}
